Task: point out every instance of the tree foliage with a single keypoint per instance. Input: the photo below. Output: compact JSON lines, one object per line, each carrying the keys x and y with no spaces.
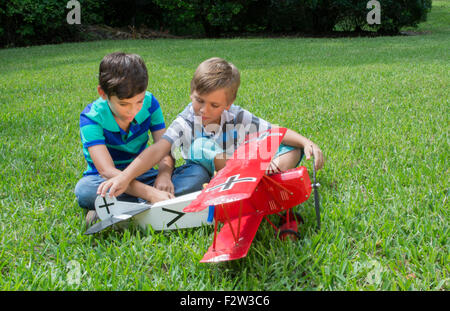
{"x":24,"y":22}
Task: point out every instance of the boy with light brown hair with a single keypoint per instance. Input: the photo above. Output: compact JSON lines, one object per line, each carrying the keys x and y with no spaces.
{"x":211,"y":128}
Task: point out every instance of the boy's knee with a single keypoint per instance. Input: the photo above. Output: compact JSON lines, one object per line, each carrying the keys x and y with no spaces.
{"x":86,"y":193}
{"x":290,"y":158}
{"x":85,"y":199}
{"x":191,"y":178}
{"x":204,"y":148}
{"x":203,"y":151}
{"x":202,"y":174}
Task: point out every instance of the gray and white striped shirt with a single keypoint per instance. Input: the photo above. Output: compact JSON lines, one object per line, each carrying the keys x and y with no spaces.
{"x":235,"y":124}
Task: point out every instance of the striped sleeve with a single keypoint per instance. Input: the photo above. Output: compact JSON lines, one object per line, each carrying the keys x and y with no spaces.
{"x":91,"y":132}
{"x":179,"y":134}
{"x":156,"y":116}
{"x":176,"y":130}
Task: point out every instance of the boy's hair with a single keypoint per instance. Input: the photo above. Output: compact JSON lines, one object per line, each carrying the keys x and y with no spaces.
{"x":216,"y":73}
{"x":123,"y":75}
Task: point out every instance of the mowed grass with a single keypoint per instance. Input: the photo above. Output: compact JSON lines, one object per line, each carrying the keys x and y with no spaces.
{"x":378,"y":108}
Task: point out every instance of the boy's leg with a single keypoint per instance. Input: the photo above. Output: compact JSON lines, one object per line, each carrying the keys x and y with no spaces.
{"x":203,"y":151}
{"x":207,"y":153}
{"x":148,"y":177}
{"x":287,"y":157}
{"x":189,"y":177}
{"x":186,"y":178}
{"x":86,"y":192}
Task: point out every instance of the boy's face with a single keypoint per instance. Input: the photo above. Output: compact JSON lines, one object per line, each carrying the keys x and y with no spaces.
{"x":210,"y":106}
{"x":124,"y":110}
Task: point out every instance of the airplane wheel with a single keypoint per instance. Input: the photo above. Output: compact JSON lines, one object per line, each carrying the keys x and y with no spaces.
{"x":289,"y":234}
{"x":290,"y":230}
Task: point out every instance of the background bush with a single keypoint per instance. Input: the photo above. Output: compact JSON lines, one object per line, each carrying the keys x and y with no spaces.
{"x":26,"y":22}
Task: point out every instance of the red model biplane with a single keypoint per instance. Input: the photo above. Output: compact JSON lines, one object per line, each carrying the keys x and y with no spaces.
{"x":241,"y":196}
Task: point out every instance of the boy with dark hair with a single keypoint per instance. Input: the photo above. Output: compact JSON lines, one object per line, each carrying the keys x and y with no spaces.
{"x":114,"y":131}
{"x":211,"y":128}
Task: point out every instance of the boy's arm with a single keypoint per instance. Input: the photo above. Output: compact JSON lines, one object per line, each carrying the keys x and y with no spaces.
{"x":165,"y":167}
{"x":294,"y":139}
{"x":105,"y":166}
{"x":143,"y":162}
{"x":291,"y":138}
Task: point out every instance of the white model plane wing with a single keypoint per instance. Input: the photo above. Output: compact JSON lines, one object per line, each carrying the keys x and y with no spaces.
{"x":164,"y":215}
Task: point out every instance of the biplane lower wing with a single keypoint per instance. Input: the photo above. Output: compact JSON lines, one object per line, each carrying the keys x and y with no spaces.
{"x":225,"y":247}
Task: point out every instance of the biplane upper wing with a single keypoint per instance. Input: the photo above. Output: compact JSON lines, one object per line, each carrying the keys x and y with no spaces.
{"x":225,"y":246}
{"x":242,"y":173}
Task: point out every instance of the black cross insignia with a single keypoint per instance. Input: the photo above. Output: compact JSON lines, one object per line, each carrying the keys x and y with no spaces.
{"x":229,"y":183}
{"x":106,"y":205}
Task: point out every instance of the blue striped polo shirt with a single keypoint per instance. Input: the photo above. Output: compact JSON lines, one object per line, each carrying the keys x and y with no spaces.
{"x":98,"y":127}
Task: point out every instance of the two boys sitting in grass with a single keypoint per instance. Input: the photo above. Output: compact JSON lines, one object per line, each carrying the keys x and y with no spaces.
{"x":206,"y":131}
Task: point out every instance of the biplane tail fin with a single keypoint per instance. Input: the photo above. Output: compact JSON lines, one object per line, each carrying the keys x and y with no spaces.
{"x":225,"y":247}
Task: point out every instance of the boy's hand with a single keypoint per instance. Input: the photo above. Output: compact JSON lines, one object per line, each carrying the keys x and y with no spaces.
{"x":116,"y":186}
{"x":164,"y":183}
{"x":312,"y":149}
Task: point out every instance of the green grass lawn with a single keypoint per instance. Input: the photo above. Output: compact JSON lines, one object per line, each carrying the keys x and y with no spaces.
{"x":378,"y":108}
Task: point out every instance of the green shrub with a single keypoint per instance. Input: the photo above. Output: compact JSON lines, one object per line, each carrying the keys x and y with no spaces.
{"x":215,"y":17}
{"x":394,"y":15}
{"x":24,"y":22}
{"x":223,"y":17}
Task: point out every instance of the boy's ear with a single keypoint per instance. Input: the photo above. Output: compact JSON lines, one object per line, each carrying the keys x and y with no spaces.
{"x":101,"y":92}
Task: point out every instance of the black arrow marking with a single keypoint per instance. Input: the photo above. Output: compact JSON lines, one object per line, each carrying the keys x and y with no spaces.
{"x":180,"y":214}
